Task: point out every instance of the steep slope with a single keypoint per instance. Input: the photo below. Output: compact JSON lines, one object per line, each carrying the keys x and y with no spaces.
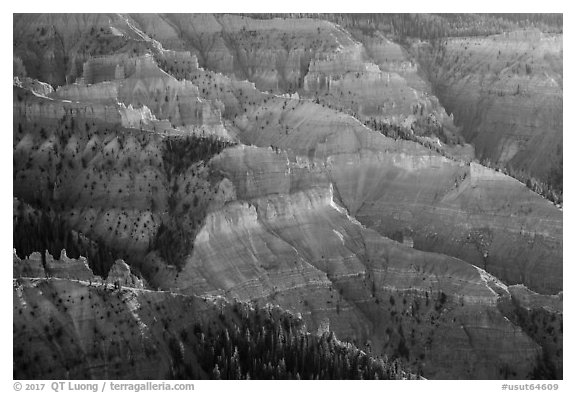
{"x":54,"y":47}
{"x":422,"y":300}
{"x":319,"y":281}
{"x":81,"y":327}
{"x":317,"y":59}
{"x":505,"y":91}
{"x":139,"y":84}
{"x":541,"y":318}
{"x":113,"y":184}
{"x":304,"y":217}
{"x":274,"y":54}
{"x":299,"y":125}
{"x":400,"y":188}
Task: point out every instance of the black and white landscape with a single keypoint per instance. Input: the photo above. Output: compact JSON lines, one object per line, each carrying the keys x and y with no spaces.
{"x":373,"y":196}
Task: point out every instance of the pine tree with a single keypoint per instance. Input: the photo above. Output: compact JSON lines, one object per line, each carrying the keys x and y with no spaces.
{"x":216,"y":372}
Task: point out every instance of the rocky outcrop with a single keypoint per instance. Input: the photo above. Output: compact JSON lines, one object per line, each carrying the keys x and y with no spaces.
{"x":392,"y":245}
{"x":360,"y":79}
{"x":274,"y":54}
{"x":102,"y":332}
{"x":29,"y":106}
{"x":398,"y":187}
{"x":28,"y":267}
{"x":166,"y":104}
{"x":316,"y":58}
{"x":304,"y":253}
{"x":108,"y":68}
{"x":111,"y":185}
{"x":121,"y":275}
{"x":54,"y":47}
{"x":37,"y":266}
{"x":71,"y":330}
{"x":37,"y":87}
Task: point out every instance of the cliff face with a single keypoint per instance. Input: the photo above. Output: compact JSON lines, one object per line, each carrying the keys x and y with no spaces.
{"x":305,"y":254}
{"x":402,"y":189}
{"x":391,"y":245}
{"x":45,"y":266}
{"x":317,"y":59}
{"x":274,"y":54}
{"x":361,"y":79}
{"x":107,"y":181}
{"x":422,"y":299}
{"x":54,"y":47}
{"x":35,"y":86}
{"x":506,"y":93}
{"x":70,"y":162}
{"x":142,"y":85}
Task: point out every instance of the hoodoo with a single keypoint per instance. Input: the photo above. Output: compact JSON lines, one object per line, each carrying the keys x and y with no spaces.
{"x":283,"y":196}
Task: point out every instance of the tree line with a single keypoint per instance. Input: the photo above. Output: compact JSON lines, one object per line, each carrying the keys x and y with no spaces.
{"x":48,"y":230}
{"x":174,"y":239}
{"x":271,"y":344}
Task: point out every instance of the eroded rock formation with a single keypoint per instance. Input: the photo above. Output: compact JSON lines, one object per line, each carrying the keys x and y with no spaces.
{"x":506,"y":93}
{"x":211,"y":187}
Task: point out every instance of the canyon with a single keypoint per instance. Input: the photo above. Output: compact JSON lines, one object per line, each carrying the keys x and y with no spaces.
{"x":185,"y":167}
{"x":507,"y":94}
